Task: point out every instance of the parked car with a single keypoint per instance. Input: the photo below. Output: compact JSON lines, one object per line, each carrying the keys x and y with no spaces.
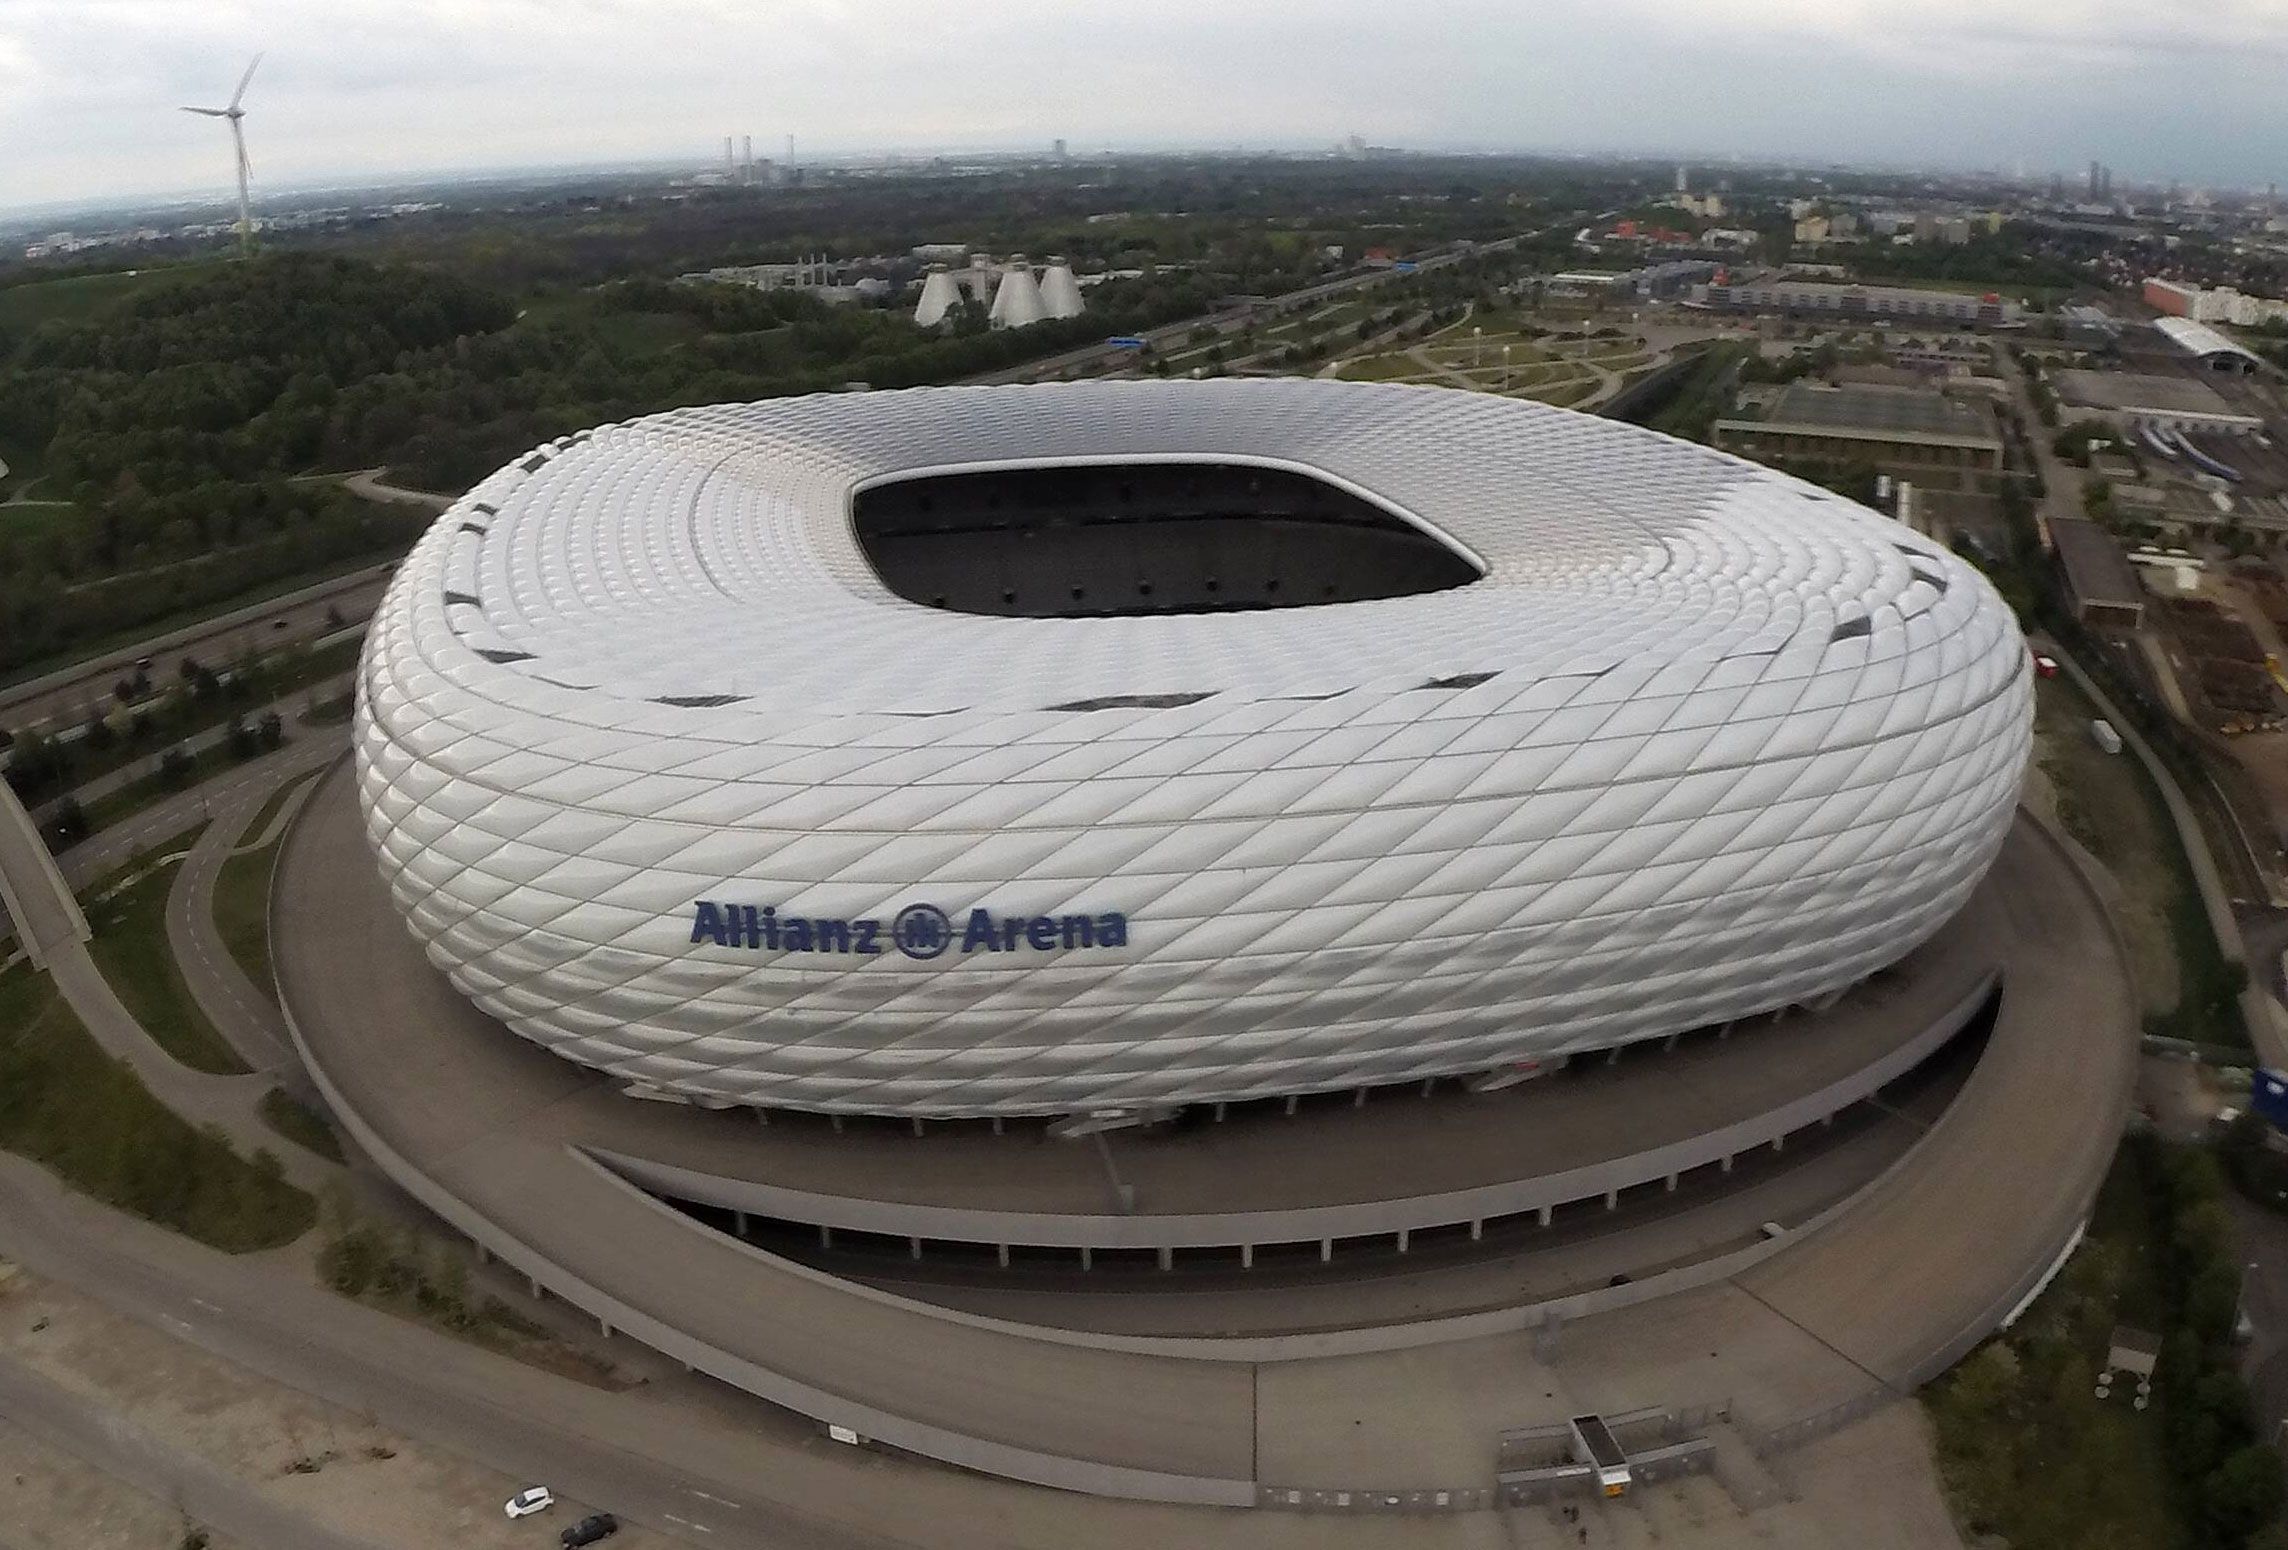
{"x":532,"y":1499}
{"x":597,"y":1525}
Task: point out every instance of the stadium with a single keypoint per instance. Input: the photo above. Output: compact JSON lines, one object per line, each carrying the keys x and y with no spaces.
{"x":1122,"y":746}
{"x":1014,"y":926}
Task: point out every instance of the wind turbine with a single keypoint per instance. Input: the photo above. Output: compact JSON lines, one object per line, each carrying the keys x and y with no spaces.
{"x":235,"y":114}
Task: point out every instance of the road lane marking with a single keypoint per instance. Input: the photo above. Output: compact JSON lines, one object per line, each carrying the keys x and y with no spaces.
{"x":697,"y":1528}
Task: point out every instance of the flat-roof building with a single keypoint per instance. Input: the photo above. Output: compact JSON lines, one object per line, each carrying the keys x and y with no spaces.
{"x":2127,"y":398}
{"x":2101,"y":584}
{"x":1888,"y":302}
{"x":1936,"y":441}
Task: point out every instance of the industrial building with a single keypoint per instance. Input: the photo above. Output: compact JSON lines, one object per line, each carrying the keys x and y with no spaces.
{"x":1918,"y":434}
{"x":1014,"y":296}
{"x":2100,"y":582}
{"x":1109,"y":746}
{"x":1797,"y":298}
{"x":2127,"y":400}
{"x":2204,"y":344}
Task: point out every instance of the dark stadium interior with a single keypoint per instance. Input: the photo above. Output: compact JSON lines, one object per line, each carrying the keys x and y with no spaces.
{"x":1081,"y":541}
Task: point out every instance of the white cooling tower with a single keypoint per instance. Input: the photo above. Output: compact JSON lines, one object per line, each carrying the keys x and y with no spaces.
{"x":1060,"y":292}
{"x":939,"y":296}
{"x":1017,"y":304}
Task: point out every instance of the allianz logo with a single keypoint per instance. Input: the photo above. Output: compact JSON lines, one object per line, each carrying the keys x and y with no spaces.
{"x":919,"y":931}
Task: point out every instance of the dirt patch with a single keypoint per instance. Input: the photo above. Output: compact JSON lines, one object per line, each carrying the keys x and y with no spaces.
{"x":49,"y":1500}
{"x":339,"y":1468}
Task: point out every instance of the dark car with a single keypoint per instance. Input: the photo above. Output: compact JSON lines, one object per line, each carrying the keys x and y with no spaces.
{"x":597,"y":1525}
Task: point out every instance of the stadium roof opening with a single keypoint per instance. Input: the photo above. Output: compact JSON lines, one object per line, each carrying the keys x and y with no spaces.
{"x":1074,"y":540}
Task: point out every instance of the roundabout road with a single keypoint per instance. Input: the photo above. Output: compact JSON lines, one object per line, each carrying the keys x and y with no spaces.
{"x":1905,"y":1279}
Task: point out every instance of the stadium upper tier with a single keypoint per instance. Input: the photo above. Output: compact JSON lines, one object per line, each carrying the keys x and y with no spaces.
{"x":1602,"y":736}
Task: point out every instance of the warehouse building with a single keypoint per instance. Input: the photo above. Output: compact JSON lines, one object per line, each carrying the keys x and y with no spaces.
{"x":1939,"y":443}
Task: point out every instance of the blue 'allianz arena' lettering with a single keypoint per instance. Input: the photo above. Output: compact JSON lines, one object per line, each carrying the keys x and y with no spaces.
{"x":919,"y":931}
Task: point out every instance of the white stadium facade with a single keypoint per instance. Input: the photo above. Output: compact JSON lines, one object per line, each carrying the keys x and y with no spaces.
{"x":1125,"y":745}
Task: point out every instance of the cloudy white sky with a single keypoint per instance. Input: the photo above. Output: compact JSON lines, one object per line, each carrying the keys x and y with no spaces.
{"x":368,"y":88}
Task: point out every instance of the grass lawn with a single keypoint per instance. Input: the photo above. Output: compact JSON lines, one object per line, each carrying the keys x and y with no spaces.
{"x":68,"y":1106}
{"x":300,"y":1124}
{"x":36,"y":519}
{"x":242,"y":907}
{"x":1382,"y":368}
{"x":131,"y":948}
{"x":2105,"y":803}
{"x":77,"y":298}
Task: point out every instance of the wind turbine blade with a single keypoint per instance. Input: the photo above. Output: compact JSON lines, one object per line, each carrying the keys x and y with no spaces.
{"x":209,"y":112}
{"x":242,"y":80}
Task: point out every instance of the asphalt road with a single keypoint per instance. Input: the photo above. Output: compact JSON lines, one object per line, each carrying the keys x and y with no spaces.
{"x":63,"y":698}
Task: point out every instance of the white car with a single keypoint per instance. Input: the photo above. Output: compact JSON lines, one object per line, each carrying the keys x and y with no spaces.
{"x":532,"y":1499}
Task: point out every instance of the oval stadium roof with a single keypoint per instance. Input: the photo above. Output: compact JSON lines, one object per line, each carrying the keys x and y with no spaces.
{"x":1701,"y":741}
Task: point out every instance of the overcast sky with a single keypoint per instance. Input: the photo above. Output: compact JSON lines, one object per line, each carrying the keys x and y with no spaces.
{"x":361,"y":89}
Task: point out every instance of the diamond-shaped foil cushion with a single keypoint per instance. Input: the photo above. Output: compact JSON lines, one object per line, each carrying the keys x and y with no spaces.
{"x":1707,"y":741}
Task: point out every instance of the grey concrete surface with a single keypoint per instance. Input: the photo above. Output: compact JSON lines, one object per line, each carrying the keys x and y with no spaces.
{"x":1405,"y":1160}
{"x":1933,"y":1254}
{"x":41,"y":908}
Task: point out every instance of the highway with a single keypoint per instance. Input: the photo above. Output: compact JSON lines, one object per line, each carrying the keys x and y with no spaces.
{"x":1232,"y":320}
{"x":63,"y":697}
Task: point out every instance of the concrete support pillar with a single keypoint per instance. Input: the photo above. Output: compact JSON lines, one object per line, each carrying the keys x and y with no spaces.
{"x":1358,"y":1099}
{"x":1613,"y":1056}
{"x":1293,"y":1102}
{"x":917,"y":1124}
{"x":1726,"y":1164}
{"x":1724,"y":1032}
{"x":1779,"y":1143}
{"x":1404,"y":1233}
{"x":1827,"y":1121}
{"x":1477,"y":1229}
{"x":1612,"y":1199}
{"x":1247,"y":1256}
{"x":484,"y":1255}
{"x":1545,"y":1210}
{"x":997,"y":1124}
{"x":1219,"y":1108}
{"x":825,"y":1237}
{"x":1167,"y":1257}
{"x":1672,"y":1183}
{"x":1002,"y":1251}
{"x":739,"y":1223}
{"x":1087,"y":1257}
{"x":1669,"y":1044}
{"x":1326,"y":1250}
{"x":534,"y":1287}
{"x":836,"y":1121}
{"x":913,"y":1248}
{"x":763,"y":1117}
{"x":605,"y":1326}
{"x":1429,"y":1085}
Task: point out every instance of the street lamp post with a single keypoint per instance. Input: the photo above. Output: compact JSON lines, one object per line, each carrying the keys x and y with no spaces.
{"x":1505,"y":368}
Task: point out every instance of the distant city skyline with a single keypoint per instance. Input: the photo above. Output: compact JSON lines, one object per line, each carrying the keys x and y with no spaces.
{"x":360,"y":91}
